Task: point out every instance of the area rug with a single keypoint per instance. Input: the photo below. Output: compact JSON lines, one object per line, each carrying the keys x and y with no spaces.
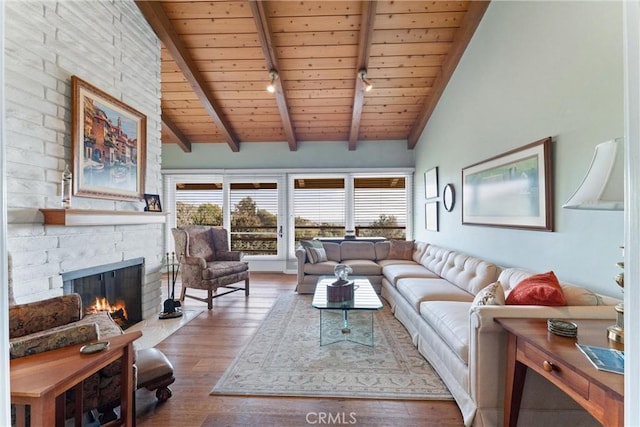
{"x":284,"y":358}
{"x":154,"y":330}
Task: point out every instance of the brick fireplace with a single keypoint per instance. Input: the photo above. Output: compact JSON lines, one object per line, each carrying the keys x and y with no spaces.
{"x":114,"y":287}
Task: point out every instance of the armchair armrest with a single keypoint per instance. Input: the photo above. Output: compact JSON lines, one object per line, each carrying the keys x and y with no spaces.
{"x":51,"y":339}
{"x":25,"y":319}
{"x":195,"y":261}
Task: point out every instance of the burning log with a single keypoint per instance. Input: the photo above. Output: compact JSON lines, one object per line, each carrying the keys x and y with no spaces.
{"x":118,"y":311}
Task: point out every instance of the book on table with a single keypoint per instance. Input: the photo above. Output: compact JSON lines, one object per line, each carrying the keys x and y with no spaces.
{"x":604,"y":359}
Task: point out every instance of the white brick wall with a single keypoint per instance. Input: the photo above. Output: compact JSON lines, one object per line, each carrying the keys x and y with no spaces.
{"x":111,"y":46}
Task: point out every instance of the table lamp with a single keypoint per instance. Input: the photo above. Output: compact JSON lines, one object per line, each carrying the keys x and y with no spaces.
{"x":603,"y":189}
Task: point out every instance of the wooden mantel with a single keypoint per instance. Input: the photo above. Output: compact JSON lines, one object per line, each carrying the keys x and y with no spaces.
{"x":79,"y":217}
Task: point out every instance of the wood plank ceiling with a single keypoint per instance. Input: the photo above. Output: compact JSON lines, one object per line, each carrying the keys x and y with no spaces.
{"x":217,"y":57}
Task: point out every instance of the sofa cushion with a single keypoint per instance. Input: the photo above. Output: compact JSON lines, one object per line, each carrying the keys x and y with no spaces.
{"x":333,"y":251}
{"x":417,"y":290}
{"x":419,"y":249}
{"x":401,"y":249}
{"x":363,"y":267}
{"x":357,"y":250}
{"x":490,"y":295}
{"x":385,"y":262}
{"x":577,"y":295}
{"x":450,"y":320}
{"x":539,"y":289}
{"x":321,"y":268}
{"x":469,"y":273}
{"x":510,"y":277}
{"x":382,"y":249}
{"x":434,"y":258}
{"x":394,"y":272}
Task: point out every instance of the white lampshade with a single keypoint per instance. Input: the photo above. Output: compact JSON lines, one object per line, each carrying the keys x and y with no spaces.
{"x":603,"y":186}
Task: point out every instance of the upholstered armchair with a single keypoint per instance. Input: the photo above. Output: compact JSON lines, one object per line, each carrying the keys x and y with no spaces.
{"x":207,"y":263}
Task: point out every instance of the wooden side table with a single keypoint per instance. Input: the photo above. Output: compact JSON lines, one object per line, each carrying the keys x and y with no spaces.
{"x":556,"y":358}
{"x":39,"y":380}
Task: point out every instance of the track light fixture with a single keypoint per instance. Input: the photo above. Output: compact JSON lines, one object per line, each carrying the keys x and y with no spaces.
{"x":362,"y":74}
{"x":273,"y":75}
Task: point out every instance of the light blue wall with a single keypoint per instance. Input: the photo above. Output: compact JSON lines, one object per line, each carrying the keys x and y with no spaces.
{"x":269,"y":155}
{"x":532,"y":70}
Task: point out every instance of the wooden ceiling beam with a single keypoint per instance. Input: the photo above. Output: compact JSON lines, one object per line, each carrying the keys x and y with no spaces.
{"x":461,"y":40}
{"x":364,"y":46}
{"x":157,"y":18}
{"x":171,"y":127}
{"x":259,"y":11}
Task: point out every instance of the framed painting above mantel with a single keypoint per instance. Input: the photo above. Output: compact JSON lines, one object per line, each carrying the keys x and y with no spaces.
{"x":109,"y":145}
{"x":514,"y":189}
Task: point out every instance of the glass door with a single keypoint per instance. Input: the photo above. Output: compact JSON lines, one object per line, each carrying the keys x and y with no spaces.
{"x":254,"y":217}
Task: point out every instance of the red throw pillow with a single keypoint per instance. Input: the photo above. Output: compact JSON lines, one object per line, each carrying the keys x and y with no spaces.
{"x":539,"y":289}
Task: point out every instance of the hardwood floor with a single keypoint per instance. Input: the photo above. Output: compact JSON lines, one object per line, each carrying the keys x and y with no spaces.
{"x":202,"y":350}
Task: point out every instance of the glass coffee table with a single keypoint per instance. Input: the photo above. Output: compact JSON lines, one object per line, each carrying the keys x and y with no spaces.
{"x":349,"y":320}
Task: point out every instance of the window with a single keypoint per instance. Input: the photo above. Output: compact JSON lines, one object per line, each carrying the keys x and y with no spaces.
{"x":267,"y":219}
{"x":199,"y":204}
{"x":371,"y":205}
{"x":380,"y":207}
{"x":318,"y":207}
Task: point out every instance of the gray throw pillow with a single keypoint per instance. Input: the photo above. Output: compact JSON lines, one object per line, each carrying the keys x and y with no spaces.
{"x":315,"y":251}
{"x":316,"y":255}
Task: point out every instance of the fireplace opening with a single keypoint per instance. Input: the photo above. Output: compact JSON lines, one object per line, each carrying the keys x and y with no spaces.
{"x":115,"y":288}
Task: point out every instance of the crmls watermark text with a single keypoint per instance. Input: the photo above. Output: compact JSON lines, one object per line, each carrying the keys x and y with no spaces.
{"x":328,"y":418}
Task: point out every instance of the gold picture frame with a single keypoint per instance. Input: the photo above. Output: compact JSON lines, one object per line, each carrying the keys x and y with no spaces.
{"x":109,"y":141}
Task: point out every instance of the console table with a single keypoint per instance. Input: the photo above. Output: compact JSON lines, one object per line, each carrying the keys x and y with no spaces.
{"x":41,"y":380}
{"x":556,"y":358}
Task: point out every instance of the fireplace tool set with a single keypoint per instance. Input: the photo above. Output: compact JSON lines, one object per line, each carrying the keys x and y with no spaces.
{"x":171,"y":308}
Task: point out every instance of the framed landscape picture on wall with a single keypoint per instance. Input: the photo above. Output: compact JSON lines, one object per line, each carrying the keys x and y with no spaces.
{"x":514,"y":189}
{"x":109,"y":145}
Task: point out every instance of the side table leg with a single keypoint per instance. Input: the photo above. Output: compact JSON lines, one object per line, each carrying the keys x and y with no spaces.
{"x":514,"y":384}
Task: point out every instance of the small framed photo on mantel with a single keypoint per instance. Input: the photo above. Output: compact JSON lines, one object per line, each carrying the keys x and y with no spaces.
{"x":152,"y":203}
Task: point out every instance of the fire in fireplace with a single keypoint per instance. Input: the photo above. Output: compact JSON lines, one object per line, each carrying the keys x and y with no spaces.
{"x":115,"y":287}
{"x":118,"y":310}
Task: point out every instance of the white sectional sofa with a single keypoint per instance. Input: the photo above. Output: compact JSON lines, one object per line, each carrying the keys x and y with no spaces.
{"x":432,"y":295}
